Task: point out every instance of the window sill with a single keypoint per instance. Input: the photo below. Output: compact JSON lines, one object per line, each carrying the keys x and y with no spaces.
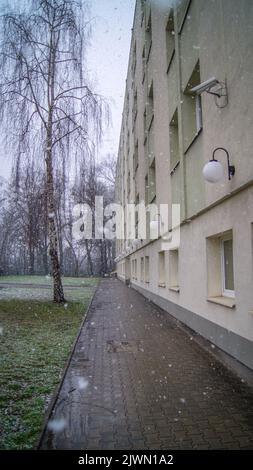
{"x":161,"y":284}
{"x":147,"y":282}
{"x":174,"y":288}
{"x":225,"y":301}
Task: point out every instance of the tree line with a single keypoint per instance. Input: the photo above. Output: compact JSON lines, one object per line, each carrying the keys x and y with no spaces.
{"x":24,"y":238}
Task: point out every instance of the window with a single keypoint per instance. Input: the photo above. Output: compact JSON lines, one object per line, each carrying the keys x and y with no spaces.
{"x":148,"y":34}
{"x":192,"y":109}
{"x":134,"y":60}
{"x":149,"y":112}
{"x":174,"y":143}
{"x":134,"y":107}
{"x":136,"y":157}
{"x":147,"y":269}
{"x":128,"y":142}
{"x":135,"y":269}
{"x":146,"y":204}
{"x":142,"y":269}
{"x":132,"y":265}
{"x":145,"y":129}
{"x":182,"y":8}
{"x":135,"y":185}
{"x":127,"y":106}
{"x":220,"y":270}
{"x":152,"y":182}
{"x":161,"y":269}
{"x":137,"y":200}
{"x":143,"y":2}
{"x":173,"y":271}
{"x":150,"y":107}
{"x":198,"y":113}
{"x":228,"y":288}
{"x":170,"y":39}
{"x":143,"y":65}
{"x":128,"y":185}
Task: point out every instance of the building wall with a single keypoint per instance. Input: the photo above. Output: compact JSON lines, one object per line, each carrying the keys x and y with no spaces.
{"x":210,"y":39}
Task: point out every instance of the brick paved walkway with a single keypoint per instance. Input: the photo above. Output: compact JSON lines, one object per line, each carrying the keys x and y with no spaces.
{"x":137,"y":380}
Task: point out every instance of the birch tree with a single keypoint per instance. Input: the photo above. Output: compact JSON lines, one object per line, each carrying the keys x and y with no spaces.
{"x":45,"y":99}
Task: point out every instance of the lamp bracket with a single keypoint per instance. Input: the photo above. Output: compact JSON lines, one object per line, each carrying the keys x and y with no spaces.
{"x":231,"y":168}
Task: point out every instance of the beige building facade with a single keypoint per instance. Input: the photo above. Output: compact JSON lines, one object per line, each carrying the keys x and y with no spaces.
{"x":168,"y":134}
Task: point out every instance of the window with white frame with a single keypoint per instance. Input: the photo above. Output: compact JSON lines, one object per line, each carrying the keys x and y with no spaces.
{"x":142,"y":269}
{"x":135,"y":269}
{"x":227,"y":267}
{"x":174,"y":143}
{"x":192,"y":109}
{"x":148,"y":33}
{"x":133,"y":274}
{"x":173,"y":271}
{"x":161,"y":270}
{"x":220,"y":269}
{"x":198,"y":113}
{"x":182,"y":9}
{"x":170,"y":39}
{"x":147,"y":269}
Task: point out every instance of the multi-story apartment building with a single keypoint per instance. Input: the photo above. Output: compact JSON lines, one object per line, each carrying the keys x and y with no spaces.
{"x":169,"y":132}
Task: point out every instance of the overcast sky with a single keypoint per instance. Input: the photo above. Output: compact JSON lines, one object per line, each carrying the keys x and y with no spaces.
{"x":107,"y":59}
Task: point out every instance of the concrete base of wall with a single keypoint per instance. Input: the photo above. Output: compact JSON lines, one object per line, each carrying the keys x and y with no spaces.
{"x":234,"y":345}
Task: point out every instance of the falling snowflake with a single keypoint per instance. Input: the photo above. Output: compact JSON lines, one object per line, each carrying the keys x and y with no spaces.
{"x":65,"y":305}
{"x":82,"y":383}
{"x":182,"y":400}
{"x":1,"y":330}
{"x":57,"y":425}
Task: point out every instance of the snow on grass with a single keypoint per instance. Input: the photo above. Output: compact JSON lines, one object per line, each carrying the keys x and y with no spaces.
{"x":37,"y":338}
{"x":47,"y":280}
{"x":33,"y":293}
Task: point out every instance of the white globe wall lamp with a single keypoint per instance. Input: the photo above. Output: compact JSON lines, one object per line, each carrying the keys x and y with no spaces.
{"x":213,"y":171}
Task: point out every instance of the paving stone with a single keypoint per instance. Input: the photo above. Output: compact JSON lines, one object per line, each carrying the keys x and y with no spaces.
{"x":155,"y":388}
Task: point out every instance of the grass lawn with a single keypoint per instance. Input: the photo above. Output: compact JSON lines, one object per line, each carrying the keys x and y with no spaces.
{"x":36,"y":337}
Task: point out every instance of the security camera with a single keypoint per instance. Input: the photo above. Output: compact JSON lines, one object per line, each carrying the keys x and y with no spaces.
{"x":205,"y":86}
